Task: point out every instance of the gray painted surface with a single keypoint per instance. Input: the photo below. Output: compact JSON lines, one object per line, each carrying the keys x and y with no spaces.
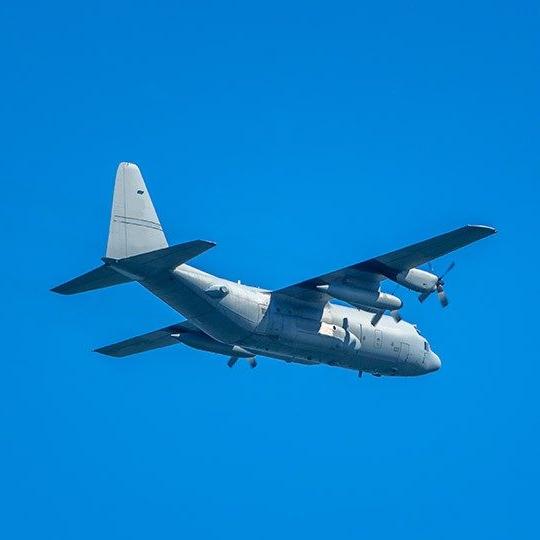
{"x":134,"y":227}
{"x":296,"y":324}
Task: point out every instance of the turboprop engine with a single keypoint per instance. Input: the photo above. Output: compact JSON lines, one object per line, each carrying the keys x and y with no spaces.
{"x":417,"y":280}
{"x":362,"y":297}
{"x":425,"y":283}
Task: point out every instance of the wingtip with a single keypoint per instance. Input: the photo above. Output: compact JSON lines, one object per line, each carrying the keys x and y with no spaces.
{"x":102,"y":351}
{"x":58,"y":290}
{"x":209,"y":243}
{"x":487,"y":229}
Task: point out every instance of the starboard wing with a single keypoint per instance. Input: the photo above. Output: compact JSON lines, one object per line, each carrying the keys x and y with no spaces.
{"x":369,"y":274}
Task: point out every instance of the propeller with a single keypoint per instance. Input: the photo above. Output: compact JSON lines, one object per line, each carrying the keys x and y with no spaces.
{"x":378,"y":316}
{"x":250,"y":360}
{"x":438,"y":287}
{"x":395,"y":314}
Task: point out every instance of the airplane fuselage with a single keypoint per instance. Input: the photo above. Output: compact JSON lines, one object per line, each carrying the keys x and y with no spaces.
{"x":298,"y":323}
{"x":286,"y":328}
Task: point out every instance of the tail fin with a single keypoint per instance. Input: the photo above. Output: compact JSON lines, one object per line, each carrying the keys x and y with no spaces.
{"x":135,"y":227}
{"x":136,"y":246}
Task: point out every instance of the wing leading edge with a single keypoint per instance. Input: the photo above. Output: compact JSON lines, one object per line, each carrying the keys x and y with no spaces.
{"x":368,"y":274}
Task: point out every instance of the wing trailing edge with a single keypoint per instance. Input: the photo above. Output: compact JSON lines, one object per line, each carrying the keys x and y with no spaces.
{"x":368,"y":274}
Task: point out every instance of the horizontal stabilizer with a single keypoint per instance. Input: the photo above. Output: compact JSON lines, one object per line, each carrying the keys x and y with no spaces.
{"x":147,"y":342}
{"x":100,"y":277}
{"x":147,"y":264}
{"x":136,"y":268}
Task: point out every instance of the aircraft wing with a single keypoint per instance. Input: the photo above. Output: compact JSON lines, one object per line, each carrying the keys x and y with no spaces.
{"x":146,"y":342}
{"x":368,"y":274}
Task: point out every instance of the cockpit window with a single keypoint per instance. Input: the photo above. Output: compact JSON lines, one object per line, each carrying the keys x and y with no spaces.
{"x":417,"y":331}
{"x":426,"y":346}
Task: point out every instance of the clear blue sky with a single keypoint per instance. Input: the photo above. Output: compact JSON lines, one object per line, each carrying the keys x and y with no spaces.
{"x":301,"y":137}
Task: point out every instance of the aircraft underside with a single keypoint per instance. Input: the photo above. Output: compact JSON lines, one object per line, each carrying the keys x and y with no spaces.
{"x":261,"y":323}
{"x":298,"y":323}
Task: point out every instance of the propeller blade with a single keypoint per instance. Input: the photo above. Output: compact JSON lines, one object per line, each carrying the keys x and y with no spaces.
{"x":423,"y":297}
{"x":443,"y":299}
{"x":376,"y":318}
{"x":232,"y":361}
{"x":396,"y":315}
{"x":252,"y":362}
{"x":452,"y":264}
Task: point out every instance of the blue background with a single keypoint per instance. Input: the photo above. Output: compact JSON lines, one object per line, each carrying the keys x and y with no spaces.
{"x":301,"y":137}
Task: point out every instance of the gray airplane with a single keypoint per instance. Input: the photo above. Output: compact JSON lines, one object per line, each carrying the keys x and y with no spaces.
{"x":299,"y":323}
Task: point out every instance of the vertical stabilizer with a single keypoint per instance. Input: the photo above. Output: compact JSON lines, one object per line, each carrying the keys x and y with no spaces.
{"x":135,"y":227}
{"x":137,"y":246}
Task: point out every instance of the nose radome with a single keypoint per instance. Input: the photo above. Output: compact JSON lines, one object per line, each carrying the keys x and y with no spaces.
{"x":434,"y":362}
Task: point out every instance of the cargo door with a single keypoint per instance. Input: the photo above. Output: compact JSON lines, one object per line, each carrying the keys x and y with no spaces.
{"x":404,"y":352}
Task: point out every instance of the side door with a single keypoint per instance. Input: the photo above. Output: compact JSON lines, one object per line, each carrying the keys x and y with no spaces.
{"x":404,"y":352}
{"x":378,"y":339}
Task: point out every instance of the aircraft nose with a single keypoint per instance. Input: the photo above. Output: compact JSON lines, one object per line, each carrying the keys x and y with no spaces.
{"x":434,"y":363}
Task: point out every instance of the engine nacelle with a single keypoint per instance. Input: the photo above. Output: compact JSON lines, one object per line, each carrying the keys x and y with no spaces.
{"x":417,"y":280}
{"x":362,"y":297}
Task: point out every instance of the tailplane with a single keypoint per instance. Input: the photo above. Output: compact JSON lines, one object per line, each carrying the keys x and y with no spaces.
{"x":98,"y":278}
{"x":136,"y":247}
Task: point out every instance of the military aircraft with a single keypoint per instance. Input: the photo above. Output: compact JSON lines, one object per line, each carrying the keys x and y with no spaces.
{"x":298,"y":323}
